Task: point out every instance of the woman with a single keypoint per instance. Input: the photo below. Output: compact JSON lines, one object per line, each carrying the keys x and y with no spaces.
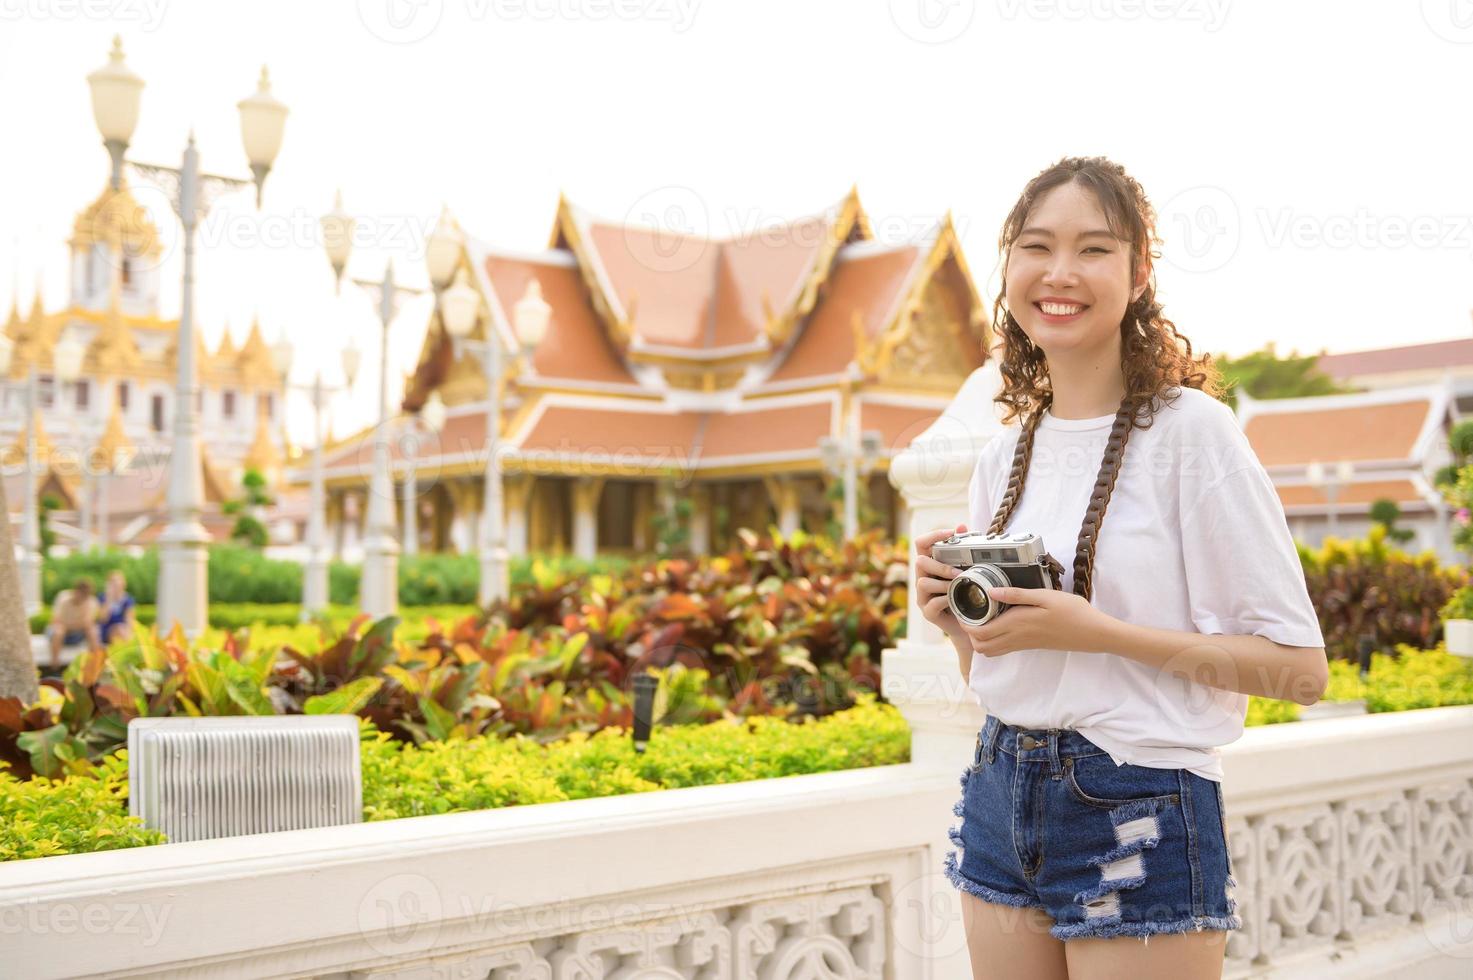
{"x":1092,"y":817}
{"x":118,"y":609}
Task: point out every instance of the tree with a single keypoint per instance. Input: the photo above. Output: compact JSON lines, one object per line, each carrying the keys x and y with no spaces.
{"x":18,"y":678}
{"x":250,"y":508}
{"x":1386,"y":513}
{"x":1264,"y":374}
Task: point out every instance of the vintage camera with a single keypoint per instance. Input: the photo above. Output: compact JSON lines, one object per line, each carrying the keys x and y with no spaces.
{"x":991,"y":561}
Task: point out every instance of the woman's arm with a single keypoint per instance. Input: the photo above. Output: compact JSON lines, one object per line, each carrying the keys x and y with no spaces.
{"x":1044,"y":619}
{"x":1247,"y":664}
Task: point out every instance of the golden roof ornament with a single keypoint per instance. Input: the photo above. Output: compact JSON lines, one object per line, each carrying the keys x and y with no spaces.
{"x":263,"y":456}
{"x":113,"y":349}
{"x":254,"y":360}
{"x":226,"y":351}
{"x":15,"y":455}
{"x":114,"y":448}
{"x":116,"y":218}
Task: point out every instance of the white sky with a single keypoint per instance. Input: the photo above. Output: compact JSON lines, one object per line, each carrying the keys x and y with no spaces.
{"x":1311,"y":190}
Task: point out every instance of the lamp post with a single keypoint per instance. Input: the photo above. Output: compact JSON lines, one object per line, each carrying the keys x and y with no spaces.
{"x":460,"y":308}
{"x":66,"y":363}
{"x":432,"y":417}
{"x":315,"y":592}
{"x":30,"y":526}
{"x":182,"y":590}
{"x":378,"y":588}
{"x":1331,"y":484}
{"x":843,"y":456}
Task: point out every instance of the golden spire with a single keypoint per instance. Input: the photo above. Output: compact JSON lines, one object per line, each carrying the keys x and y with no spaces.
{"x":114,"y":444}
{"x":16,"y":454}
{"x":263,"y":456}
{"x":254,"y":360}
{"x":113,"y":349}
{"x":226,"y":351}
{"x":14,"y":325}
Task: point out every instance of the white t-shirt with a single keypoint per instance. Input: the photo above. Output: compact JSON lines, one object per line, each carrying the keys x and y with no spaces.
{"x":1194,"y":539}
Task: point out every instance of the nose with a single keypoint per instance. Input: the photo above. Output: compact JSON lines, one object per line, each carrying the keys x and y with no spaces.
{"x":1060,"y":269}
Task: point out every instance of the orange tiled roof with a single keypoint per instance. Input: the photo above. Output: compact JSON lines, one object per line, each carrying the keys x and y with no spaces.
{"x":867,"y":284}
{"x":1415,"y":357}
{"x":1361,"y":432}
{"x":1364,"y":493}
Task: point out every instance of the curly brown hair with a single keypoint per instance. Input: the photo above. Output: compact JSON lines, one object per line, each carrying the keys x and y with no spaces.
{"x":1154,"y":355}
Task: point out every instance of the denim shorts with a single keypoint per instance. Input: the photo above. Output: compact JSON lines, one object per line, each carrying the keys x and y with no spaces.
{"x":1050,"y":822}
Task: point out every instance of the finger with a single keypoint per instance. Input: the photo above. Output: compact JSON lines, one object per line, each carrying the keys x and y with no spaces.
{"x":936,"y":569}
{"x":925,"y":541}
{"x":1014,"y":596}
{"x":932,"y":587}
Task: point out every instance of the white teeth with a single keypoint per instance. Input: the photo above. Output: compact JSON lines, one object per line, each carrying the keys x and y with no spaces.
{"x":1059,"y":309}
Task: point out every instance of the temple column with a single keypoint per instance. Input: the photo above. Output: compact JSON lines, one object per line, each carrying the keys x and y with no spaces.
{"x":353,"y":525}
{"x":586,"y":491}
{"x":700,"y":519}
{"x":643,"y":511}
{"x":785,"y":495}
{"x":516,"y":492}
{"x":465,"y":502}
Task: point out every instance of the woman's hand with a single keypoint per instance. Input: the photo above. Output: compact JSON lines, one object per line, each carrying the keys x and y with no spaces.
{"x":1040,"y":619}
{"x":933,"y":578}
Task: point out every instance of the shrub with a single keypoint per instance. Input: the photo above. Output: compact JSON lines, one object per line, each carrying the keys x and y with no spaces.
{"x":1365,"y":587}
{"x":87,"y":810}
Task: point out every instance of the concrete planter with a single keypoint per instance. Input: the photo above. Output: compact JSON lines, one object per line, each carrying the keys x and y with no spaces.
{"x":1459,"y":636}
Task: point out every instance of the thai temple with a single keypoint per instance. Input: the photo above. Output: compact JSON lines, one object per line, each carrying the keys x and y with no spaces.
{"x":680,"y":367}
{"x":103,"y":438}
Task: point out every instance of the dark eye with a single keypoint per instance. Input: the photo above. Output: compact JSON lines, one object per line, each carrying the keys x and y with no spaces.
{"x":1036,"y":245}
{"x":1097,"y":248}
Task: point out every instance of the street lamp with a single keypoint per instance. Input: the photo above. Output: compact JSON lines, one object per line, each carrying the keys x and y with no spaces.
{"x":1331,"y":484}
{"x":30,"y":526}
{"x":66,"y":364}
{"x":315,"y":592}
{"x":378,"y":587}
{"x":843,"y":456}
{"x":431,"y":418}
{"x":182,"y":591}
{"x":460,"y":308}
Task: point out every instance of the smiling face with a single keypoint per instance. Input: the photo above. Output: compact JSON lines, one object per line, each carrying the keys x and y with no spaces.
{"x":1068,"y":277}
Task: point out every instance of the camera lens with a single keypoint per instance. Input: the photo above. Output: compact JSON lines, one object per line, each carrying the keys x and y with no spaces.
{"x":967,"y":594}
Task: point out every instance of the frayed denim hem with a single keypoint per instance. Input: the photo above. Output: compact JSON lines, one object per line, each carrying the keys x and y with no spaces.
{"x":1110,"y":928}
{"x":954,"y":875}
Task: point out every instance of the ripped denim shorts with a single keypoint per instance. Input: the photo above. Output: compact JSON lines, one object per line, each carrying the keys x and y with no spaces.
{"x":1049,"y":821}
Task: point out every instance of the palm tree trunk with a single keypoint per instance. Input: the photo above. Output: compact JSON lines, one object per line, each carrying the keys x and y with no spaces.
{"x":17,"y":666}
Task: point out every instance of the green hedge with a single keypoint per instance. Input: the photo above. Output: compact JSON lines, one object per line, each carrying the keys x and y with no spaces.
{"x":89,"y":811}
{"x":243,"y":575}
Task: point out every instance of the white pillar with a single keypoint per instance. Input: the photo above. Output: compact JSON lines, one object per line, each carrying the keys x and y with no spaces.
{"x":518,"y":491}
{"x":921,"y":675}
{"x":315,"y":590}
{"x":183,"y":591}
{"x":30,"y":525}
{"x":700,"y":519}
{"x":586,"y":491}
{"x":410,"y":529}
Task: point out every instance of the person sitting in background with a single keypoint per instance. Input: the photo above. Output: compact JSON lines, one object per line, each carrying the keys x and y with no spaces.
{"x":73,"y":620}
{"x":117,"y":609}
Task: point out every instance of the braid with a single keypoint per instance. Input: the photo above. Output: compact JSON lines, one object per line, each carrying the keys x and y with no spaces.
{"x":1022,"y":456}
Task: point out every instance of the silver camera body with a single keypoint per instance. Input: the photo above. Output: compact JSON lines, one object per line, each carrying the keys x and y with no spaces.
{"x":991,"y":561}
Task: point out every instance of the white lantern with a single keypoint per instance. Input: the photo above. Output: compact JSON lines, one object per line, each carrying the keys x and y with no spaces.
{"x":442,"y":249}
{"x":262,"y":120}
{"x":281,"y":355}
{"x":532,"y":314}
{"x":67,"y":358}
{"x":459,"y":307}
{"x":351,"y":357}
{"x":337,"y":235}
{"x":116,"y":93}
{"x":433,"y":412}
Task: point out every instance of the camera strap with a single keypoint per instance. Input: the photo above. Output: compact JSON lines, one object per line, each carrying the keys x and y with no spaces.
{"x":1099,"y":499}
